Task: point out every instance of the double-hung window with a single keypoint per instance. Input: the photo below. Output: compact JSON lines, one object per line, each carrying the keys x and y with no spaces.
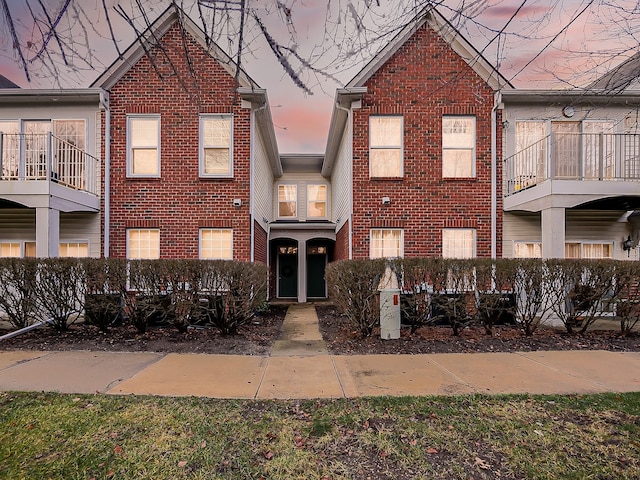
{"x":316,"y":201}
{"x":458,"y":243}
{"x":385,"y":146}
{"x":387,"y":243}
{"x":216,"y":150}
{"x":143,"y":146}
{"x":143,"y":244}
{"x":216,"y":243}
{"x":458,"y":146}
{"x":287,"y":201}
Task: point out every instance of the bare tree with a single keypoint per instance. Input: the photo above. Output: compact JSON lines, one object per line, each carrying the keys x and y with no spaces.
{"x":65,"y":39}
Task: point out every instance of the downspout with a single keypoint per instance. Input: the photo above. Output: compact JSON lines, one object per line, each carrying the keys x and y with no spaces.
{"x":494,"y":174}
{"x":350,"y":216}
{"x":252,"y":140}
{"x":104,"y":101}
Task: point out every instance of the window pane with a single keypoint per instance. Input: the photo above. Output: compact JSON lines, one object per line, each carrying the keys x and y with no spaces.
{"x":144,"y":132}
{"x":385,"y":163}
{"x":386,"y":131}
{"x":144,"y":244}
{"x":458,"y":242}
{"x":216,"y":244}
{"x":216,"y":161}
{"x":77,"y":250}
{"x":386,"y":243}
{"x":317,"y":201}
{"x":596,"y":250}
{"x":458,"y":132}
{"x":287,"y":200}
{"x":457,"y":163}
{"x":216,"y":132}
{"x":571,"y":250}
{"x":10,"y":249}
{"x":70,"y":131}
{"x":145,"y":161}
{"x":10,"y":149}
{"x":30,"y":249}
{"x":527,"y":250}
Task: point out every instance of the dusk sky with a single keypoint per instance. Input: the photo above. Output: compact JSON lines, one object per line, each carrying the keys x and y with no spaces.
{"x":536,"y":52}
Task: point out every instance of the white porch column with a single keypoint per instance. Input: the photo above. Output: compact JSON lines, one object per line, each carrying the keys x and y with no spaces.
{"x":47,"y":232}
{"x":302,"y":271}
{"x":553,"y":232}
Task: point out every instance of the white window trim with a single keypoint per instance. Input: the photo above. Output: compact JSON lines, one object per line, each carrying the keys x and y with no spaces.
{"x":292,"y":217}
{"x":200,"y":242}
{"x":326,"y":201}
{"x":474,"y":254}
{"x":128,"y":230}
{"x":381,"y":229}
{"x":85,"y":241}
{"x":201,"y":146}
{"x":474,"y":148}
{"x":130,"y":173}
{"x":401,"y":146}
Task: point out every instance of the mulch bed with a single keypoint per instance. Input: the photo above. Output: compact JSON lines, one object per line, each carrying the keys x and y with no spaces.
{"x":257,"y":337}
{"x":343,"y":340}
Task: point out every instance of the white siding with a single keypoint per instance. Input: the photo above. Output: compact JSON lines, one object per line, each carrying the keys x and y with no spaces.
{"x":301,"y":180}
{"x":262,"y":184}
{"x":581,"y":226}
{"x":341,"y":179}
{"x":20,"y":225}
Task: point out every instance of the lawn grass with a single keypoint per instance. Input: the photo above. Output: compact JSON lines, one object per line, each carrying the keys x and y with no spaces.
{"x":54,"y":436}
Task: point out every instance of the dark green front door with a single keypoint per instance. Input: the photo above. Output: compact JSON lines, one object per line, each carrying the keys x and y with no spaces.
{"x":287,"y":276}
{"x":316,"y":285}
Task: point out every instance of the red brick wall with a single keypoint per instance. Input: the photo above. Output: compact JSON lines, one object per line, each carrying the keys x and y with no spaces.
{"x":341,"y":251}
{"x":179,"y":202}
{"x":423,"y":81}
{"x":260,"y":243}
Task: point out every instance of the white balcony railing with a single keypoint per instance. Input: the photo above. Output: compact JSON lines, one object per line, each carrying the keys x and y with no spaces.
{"x":579,"y":156}
{"x":45,"y":157}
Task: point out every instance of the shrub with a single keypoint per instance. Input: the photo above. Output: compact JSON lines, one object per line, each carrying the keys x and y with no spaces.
{"x":494,"y":286}
{"x":18,"y":290}
{"x":103,"y":306}
{"x":415,"y":283}
{"x":627,"y":295}
{"x":353,"y":287}
{"x":182,"y":279}
{"x":61,"y":288}
{"x":452,"y":301}
{"x":532,"y":291}
{"x":231,"y":292}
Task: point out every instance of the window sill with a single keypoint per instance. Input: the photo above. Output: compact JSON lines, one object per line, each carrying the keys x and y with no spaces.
{"x":385,"y":179}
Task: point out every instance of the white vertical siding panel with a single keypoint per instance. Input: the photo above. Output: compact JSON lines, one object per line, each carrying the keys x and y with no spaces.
{"x":262,"y":183}
{"x":341,"y":179}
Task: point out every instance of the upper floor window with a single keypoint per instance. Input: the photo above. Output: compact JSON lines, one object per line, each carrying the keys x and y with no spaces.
{"x":143,"y":146}
{"x":143,"y":244}
{"x":216,"y":146}
{"x":287,"y":201}
{"x":458,"y":147}
{"x":10,"y":148}
{"x":216,"y":243}
{"x":385,"y":146}
{"x":387,"y":243}
{"x":458,"y":243}
{"x":316,"y":201}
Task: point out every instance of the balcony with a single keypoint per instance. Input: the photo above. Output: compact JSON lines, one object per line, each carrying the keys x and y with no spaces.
{"x":574,"y":169}
{"x":39,"y":170}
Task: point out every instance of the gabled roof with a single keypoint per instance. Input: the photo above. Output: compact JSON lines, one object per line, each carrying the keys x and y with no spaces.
{"x":429,"y":15}
{"x":620,"y":77}
{"x":152,"y":36}
{"x":6,"y":83}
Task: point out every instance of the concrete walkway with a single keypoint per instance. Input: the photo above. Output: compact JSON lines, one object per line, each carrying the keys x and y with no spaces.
{"x":301,"y":367}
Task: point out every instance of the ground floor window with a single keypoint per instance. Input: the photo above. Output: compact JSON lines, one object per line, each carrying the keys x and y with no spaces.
{"x":588,"y":250}
{"x":10,"y":249}
{"x":74,"y":249}
{"x":458,"y":242}
{"x":216,"y":243}
{"x":143,"y":244}
{"x":527,"y":250}
{"x":387,"y":243}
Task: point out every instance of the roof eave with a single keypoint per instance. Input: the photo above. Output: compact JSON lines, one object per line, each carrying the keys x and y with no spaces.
{"x":573,"y":96}
{"x":342,"y":105}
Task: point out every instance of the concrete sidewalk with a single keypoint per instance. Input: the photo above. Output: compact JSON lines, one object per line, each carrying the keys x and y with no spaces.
{"x":301,"y":367}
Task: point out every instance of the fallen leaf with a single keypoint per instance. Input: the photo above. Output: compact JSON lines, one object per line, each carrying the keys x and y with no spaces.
{"x":113,"y":435}
{"x":383,"y":454}
{"x":268,"y":455}
{"x":204,"y":444}
{"x":182,"y":464}
{"x":538,"y":432}
{"x":118,"y":450}
{"x":432,"y":451}
{"x":482,"y":464}
{"x":413,"y":442}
